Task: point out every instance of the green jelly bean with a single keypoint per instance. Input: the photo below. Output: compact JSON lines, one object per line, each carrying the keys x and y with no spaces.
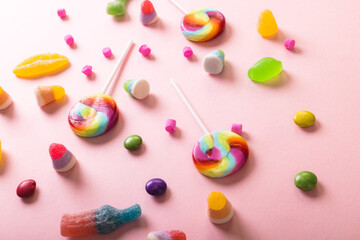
{"x":305,"y":180}
{"x":133,"y":142}
{"x":304,"y":118}
{"x":265,"y":69}
{"x":116,"y":8}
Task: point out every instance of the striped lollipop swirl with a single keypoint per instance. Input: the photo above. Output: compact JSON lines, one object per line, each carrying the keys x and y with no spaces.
{"x":93,"y":115}
{"x":220,"y":154}
{"x":203,"y":24}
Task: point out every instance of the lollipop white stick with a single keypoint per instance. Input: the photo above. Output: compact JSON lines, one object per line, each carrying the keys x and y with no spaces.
{"x":117,"y":66}
{"x":181,"y":8}
{"x":188,"y":105}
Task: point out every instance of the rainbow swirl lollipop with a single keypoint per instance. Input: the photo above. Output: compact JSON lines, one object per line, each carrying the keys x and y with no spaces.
{"x":220,"y":154}
{"x":203,"y":24}
{"x":97,"y":113}
{"x":93,"y":115}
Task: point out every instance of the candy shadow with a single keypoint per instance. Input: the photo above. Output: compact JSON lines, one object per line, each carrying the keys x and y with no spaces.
{"x":141,"y":222}
{"x":108,"y":136}
{"x":33,"y":198}
{"x":125,"y":18}
{"x":193,"y":58}
{"x":54,"y":106}
{"x":138,"y":151}
{"x":73,"y":174}
{"x":149,"y":102}
{"x":233,"y":228}
{"x":117,"y":75}
{"x":296,"y":50}
{"x":279,"y":37}
{"x":74,"y":46}
{"x":158,"y":24}
{"x":226,"y":74}
{"x":164,"y":197}
{"x":92,"y":77}
{"x":218,"y":40}
{"x":315,"y":192}
{"x":177,"y":133}
{"x":9,"y":112}
{"x":280,"y":80}
{"x":315,"y":127}
{"x":239,"y":175}
{"x":4,"y":162}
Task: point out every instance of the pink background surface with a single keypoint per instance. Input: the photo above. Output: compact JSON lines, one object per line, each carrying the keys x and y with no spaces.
{"x":320,"y":75}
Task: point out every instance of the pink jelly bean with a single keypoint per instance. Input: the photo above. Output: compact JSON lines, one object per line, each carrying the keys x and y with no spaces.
{"x":107,"y":52}
{"x":188,"y":52}
{"x":236,"y":128}
{"x":87,"y":70}
{"x":170,"y":125}
{"x":144,"y":50}
{"x":61,"y":13}
{"x":289,"y":43}
{"x":69,"y":40}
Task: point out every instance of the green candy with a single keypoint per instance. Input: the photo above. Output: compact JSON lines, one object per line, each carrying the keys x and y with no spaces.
{"x":265,"y":69}
{"x":116,"y":8}
{"x":133,"y":142}
{"x":305,"y":180}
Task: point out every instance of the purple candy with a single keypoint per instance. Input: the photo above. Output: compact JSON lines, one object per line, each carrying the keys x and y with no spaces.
{"x":156,"y":187}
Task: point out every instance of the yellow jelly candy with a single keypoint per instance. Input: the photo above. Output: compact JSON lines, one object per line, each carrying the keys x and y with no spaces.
{"x":304,"y":118}
{"x":40,"y":65}
{"x":267,"y":26}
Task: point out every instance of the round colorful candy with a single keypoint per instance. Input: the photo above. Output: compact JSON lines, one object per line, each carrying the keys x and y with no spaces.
{"x":93,"y":115}
{"x":133,"y":142}
{"x":305,"y":180}
{"x":220,"y":154}
{"x":203,"y":24}
{"x":26,"y":188}
{"x":304,"y":118}
{"x":156,"y":187}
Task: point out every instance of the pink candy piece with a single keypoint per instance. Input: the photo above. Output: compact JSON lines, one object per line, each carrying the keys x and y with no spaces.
{"x":236,"y":128}
{"x":107,"y":52}
{"x":289,"y":43}
{"x":87,"y":70}
{"x":170,"y":125}
{"x":144,"y":50}
{"x":188,"y":52}
{"x":69,"y":40}
{"x":61,"y":13}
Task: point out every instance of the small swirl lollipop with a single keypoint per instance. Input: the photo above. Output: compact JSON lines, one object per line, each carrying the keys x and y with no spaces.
{"x":202,"y":24}
{"x":97,"y":113}
{"x":220,"y":153}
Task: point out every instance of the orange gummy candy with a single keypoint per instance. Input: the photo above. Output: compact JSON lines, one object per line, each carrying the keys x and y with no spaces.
{"x":267,"y":26}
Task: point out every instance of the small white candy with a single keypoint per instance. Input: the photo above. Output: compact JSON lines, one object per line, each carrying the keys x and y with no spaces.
{"x":138,"y":88}
{"x":214,"y":62}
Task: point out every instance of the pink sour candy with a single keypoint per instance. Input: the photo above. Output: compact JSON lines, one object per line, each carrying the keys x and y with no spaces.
{"x":61,"y":13}
{"x":144,"y":50}
{"x":107,"y":52}
{"x":87,"y":70}
{"x":170,"y":125}
{"x":188,"y":52}
{"x":69,"y":40}
{"x":289,"y":43}
{"x":236,"y":128}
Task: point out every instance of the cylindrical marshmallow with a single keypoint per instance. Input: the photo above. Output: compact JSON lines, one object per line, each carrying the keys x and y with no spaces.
{"x":214,"y":62}
{"x":170,"y":125}
{"x":138,"y":88}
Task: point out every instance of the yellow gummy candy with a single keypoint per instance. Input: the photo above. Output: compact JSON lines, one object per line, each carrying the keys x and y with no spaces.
{"x":267,"y":26}
{"x":40,"y":65}
{"x":216,"y":201}
{"x":58,"y":92}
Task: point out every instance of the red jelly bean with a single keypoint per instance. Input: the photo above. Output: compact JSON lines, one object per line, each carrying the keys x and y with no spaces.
{"x":26,"y":188}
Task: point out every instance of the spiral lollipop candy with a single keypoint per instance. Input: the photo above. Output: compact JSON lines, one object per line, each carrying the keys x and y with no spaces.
{"x":218,"y":154}
{"x":97,"y":113}
{"x":202,"y":24}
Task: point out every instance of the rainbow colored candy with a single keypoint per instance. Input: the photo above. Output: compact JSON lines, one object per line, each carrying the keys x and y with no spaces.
{"x":203,"y":24}
{"x":93,"y":115}
{"x":220,"y":154}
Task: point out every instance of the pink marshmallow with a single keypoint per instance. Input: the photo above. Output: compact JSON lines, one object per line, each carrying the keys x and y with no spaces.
{"x":170,"y":125}
{"x":61,"y":13}
{"x":236,"y":128}
{"x":144,"y":50}
{"x":69,"y":40}
{"x":87,"y":70}
{"x":289,"y":43}
{"x":188,"y":52}
{"x":107,"y":52}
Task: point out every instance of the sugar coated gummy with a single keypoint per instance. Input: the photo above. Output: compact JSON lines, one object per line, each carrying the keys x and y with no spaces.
{"x":219,"y":208}
{"x":63,"y":160}
{"x":267,"y":26}
{"x":305,"y":180}
{"x":265,"y":69}
{"x":167,"y":235}
{"x":148,"y":14}
{"x":98,"y":221}
{"x":304,"y":118}
{"x":116,"y":8}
